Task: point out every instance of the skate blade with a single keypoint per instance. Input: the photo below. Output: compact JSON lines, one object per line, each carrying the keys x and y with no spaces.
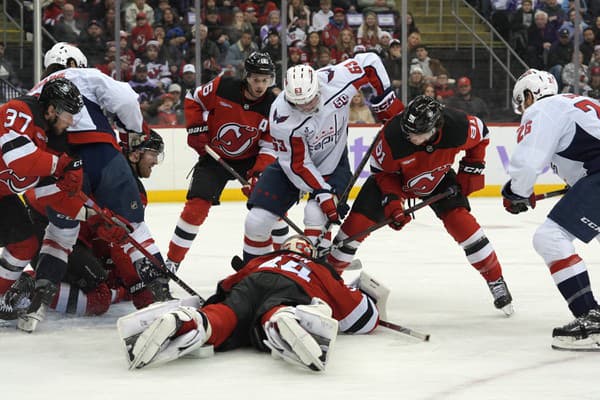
{"x":28,"y":323}
{"x":568,"y":343}
{"x":508,"y":310}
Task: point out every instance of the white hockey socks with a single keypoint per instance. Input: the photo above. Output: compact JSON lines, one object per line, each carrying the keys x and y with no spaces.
{"x":303,"y":335}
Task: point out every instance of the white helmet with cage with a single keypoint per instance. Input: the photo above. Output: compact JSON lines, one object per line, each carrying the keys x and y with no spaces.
{"x":538,"y":83}
{"x":300,"y":244}
{"x":61,"y":53}
{"x":301,"y":84}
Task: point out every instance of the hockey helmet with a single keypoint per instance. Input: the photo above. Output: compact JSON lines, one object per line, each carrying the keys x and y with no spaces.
{"x":259,"y":63}
{"x":61,"y":53}
{"x":301,"y":84}
{"x":63,"y":95}
{"x":539,"y":83}
{"x":301,"y":245}
{"x":422,"y":115}
{"x":154,"y":142}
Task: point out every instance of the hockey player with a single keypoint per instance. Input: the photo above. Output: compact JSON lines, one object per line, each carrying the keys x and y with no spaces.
{"x":309,"y":126}
{"x":561,"y":130}
{"x":231,"y":116}
{"x":106,"y":170}
{"x":28,"y":123}
{"x":285,"y":302}
{"x":413,"y":159}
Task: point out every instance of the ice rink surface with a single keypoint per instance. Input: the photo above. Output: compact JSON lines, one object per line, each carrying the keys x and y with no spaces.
{"x":474,"y":353}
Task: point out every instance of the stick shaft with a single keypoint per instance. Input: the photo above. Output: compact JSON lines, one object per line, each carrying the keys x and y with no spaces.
{"x":245,"y":182}
{"x":548,"y":195}
{"x":407,"y":331}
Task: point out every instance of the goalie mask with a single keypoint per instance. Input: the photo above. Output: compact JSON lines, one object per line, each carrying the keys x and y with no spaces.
{"x":301,"y":245}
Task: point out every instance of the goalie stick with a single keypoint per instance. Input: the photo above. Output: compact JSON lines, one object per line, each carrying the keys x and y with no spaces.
{"x":447,"y":193}
{"x":245,"y":182}
{"x":160,"y":266}
{"x":407,"y":331}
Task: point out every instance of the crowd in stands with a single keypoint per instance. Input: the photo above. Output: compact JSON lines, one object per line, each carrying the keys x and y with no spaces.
{"x":157,"y":43}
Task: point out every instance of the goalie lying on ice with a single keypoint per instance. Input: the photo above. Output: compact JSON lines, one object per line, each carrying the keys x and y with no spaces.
{"x":284,"y":302}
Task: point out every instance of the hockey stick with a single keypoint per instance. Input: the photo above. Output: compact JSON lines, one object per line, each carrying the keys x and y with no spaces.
{"x":554,"y":193}
{"x":447,"y":193}
{"x":344,"y":196}
{"x":160,"y":266}
{"x":244,"y":182}
{"x":407,"y":331}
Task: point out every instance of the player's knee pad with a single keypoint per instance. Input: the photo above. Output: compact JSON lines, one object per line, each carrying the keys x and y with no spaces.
{"x":313,"y":215}
{"x":98,"y":300}
{"x":303,"y":335}
{"x":141,"y":234}
{"x":59,"y":241}
{"x":259,"y":223}
{"x":552,"y":242}
{"x":195,"y":211}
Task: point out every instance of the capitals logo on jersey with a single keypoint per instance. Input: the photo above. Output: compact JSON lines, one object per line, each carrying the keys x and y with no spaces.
{"x":234,"y":139}
{"x":425,"y":183}
{"x":15,"y":183}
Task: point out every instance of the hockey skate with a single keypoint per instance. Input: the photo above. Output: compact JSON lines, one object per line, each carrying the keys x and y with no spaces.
{"x":16,"y":300}
{"x":502,"y":297}
{"x":582,"y":334}
{"x":43,"y":295}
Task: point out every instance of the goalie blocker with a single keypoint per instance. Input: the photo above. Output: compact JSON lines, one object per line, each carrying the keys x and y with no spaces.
{"x":284,"y":302}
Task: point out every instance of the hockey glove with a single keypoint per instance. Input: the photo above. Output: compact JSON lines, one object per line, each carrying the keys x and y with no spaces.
{"x":386,"y":105}
{"x":514,"y":203}
{"x":328,"y":202}
{"x":393,"y":209}
{"x":69,"y":172}
{"x":470,"y":176}
{"x":252,"y":177}
{"x":198,"y":138}
{"x":117,"y":231}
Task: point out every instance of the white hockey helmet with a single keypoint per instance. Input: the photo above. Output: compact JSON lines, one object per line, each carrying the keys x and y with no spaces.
{"x":301,"y":245}
{"x":538,"y":83}
{"x":301,"y":84}
{"x":61,"y":53}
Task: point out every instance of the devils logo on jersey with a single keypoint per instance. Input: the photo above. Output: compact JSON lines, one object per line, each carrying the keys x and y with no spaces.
{"x":15,"y":183}
{"x":425,"y":183}
{"x":234,"y":139}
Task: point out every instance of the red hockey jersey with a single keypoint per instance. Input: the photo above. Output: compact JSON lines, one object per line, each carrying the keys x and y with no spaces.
{"x":354,"y":310}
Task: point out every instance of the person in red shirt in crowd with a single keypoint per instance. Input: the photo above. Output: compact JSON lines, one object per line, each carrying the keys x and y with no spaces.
{"x":344,"y":46}
{"x":443,"y":88}
{"x":262,"y":7}
{"x":141,"y":34}
{"x":333,"y":29}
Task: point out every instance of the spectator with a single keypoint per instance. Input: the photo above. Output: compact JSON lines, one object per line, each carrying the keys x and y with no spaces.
{"x":160,"y":35}
{"x":52,"y":14}
{"x":239,"y":51}
{"x":133,"y":10}
{"x":92,"y":44}
{"x":298,"y":30}
{"x":159,"y":11}
{"x":238,"y":25}
{"x":321,"y":18}
{"x":251,"y":18}
{"x":393,"y":65}
{"x":176,"y":91}
{"x":465,"y":101}
{"x":209,"y":53}
{"x":274,"y":22}
{"x":594,"y":91}
{"x":570,"y":5}
{"x":68,"y":28}
{"x":570,"y":76}
{"x":443,"y":87}
{"x":344,"y":46}
{"x":7,"y":72}
{"x":170,"y":20}
{"x":556,"y":15}
{"x":274,"y":49}
{"x":413,"y":40}
{"x":431,"y":66}
{"x":147,"y":89}
{"x":125,"y":50}
{"x":428,"y":90}
{"x":99,"y":9}
{"x":569,"y":24}
{"x":596,"y":28}
{"x":541,"y":35}
{"x":166,"y":111}
{"x":334,"y":27}
{"x":141,"y":34}
{"x":559,"y":55}
{"x":324,"y":59}
{"x":295,"y":57}
{"x":263,"y":8}
{"x":156,"y":64}
{"x":359,"y":111}
{"x":416,"y":79}
{"x":410,"y":26}
{"x":520,"y":23}
{"x":313,"y":47}
{"x":297,"y":7}
{"x":188,"y":80}
{"x":369,"y":31}
{"x":588,"y":44}
{"x":177,"y":44}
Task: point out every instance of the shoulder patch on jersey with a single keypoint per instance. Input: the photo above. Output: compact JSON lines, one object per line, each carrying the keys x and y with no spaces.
{"x":279,"y":118}
{"x":330,"y":72}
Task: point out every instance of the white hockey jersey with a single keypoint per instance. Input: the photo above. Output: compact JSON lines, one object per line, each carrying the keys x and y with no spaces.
{"x":101,"y":94}
{"x":310,"y":146}
{"x":563,"y":131}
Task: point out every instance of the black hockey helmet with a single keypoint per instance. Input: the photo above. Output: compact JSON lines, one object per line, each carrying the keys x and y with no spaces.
{"x":422,"y":115}
{"x":63,"y":95}
{"x":153,"y":142}
{"x":259,"y":63}
{"x":133,"y":141}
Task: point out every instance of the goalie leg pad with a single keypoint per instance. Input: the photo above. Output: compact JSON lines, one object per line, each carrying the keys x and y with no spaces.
{"x":169,"y":337}
{"x":302,"y":335}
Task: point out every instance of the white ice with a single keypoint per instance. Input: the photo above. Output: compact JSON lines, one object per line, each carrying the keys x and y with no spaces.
{"x":475,"y":352}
